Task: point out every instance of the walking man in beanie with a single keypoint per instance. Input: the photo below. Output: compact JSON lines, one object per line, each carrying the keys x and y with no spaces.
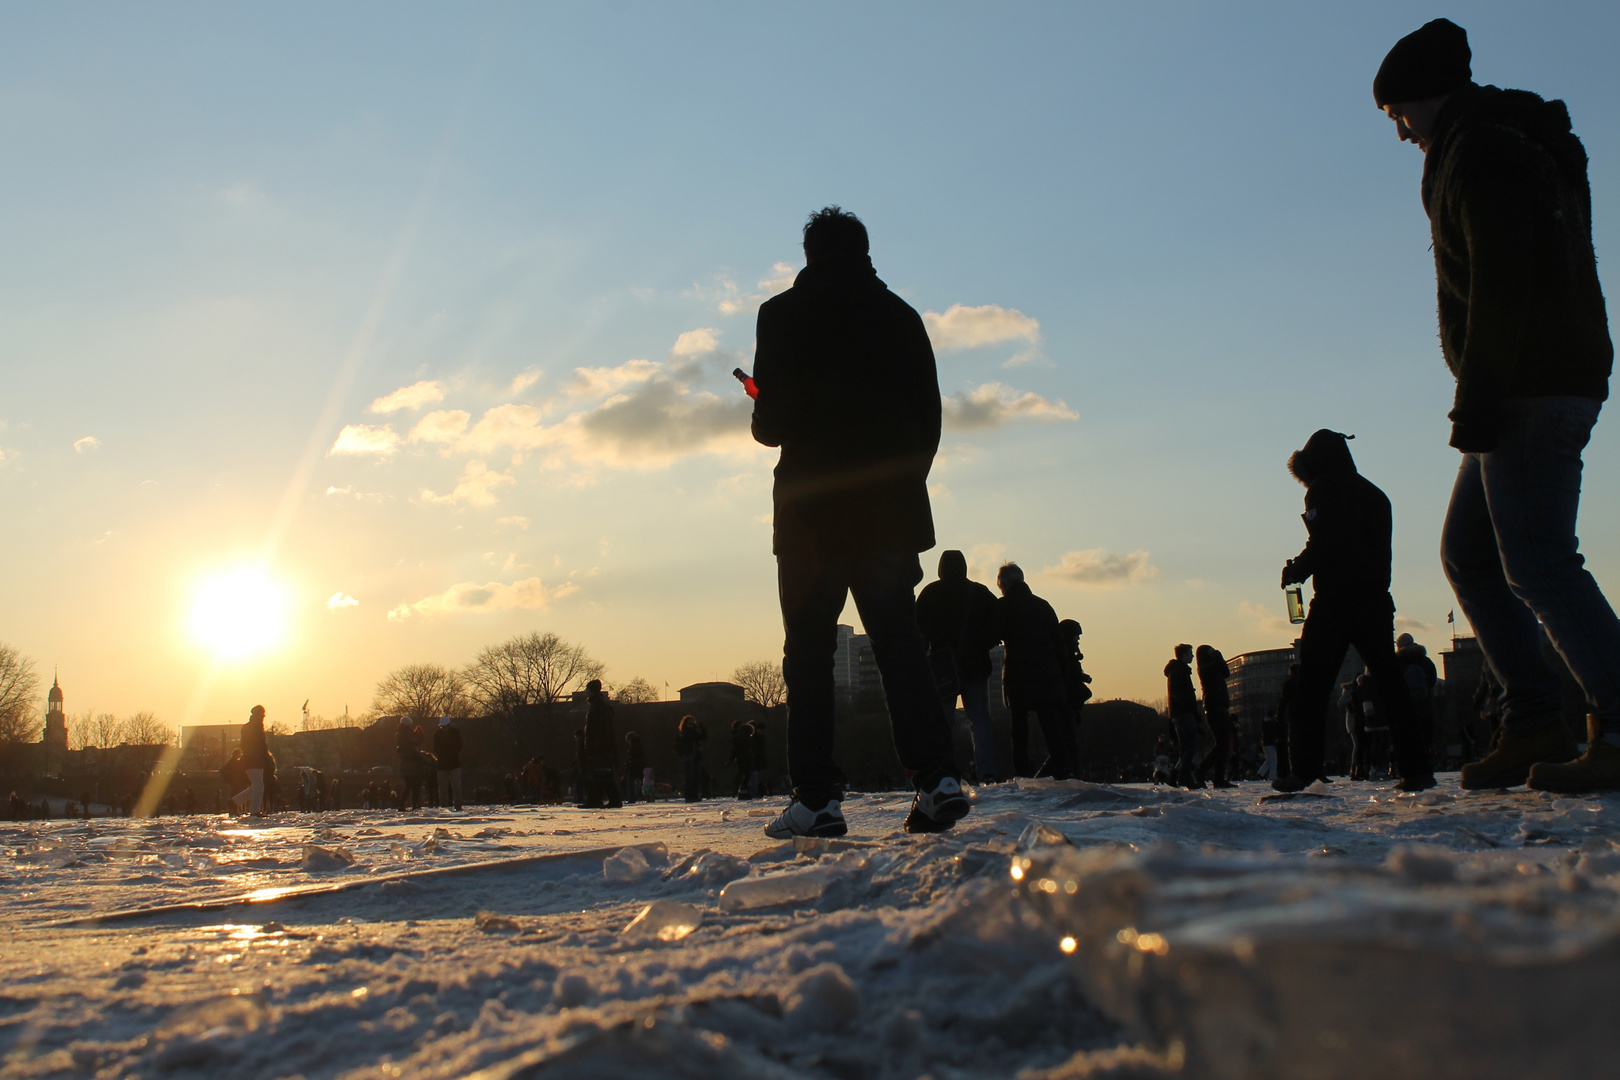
{"x":1350,"y":523}
{"x":1525,"y":332}
{"x":847,"y":388}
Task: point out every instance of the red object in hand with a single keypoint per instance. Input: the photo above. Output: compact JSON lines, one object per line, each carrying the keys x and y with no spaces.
{"x":748,"y":382}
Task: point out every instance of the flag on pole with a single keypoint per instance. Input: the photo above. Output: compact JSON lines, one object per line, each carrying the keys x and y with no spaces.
{"x":1451,"y":616}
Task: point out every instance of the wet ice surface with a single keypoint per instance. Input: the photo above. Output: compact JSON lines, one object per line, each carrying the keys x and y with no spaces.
{"x":1208,"y":934}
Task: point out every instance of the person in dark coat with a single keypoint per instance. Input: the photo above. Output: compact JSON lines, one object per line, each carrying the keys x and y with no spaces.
{"x":635,"y":760}
{"x":1348,"y":554}
{"x":255,"y":762}
{"x":1213,"y":671}
{"x":958,"y":618}
{"x":447,"y":761}
{"x":689,"y":747}
{"x":601,"y":749}
{"x":759,"y":748}
{"x":1075,"y":679}
{"x":1421,"y":677}
{"x":1525,"y":331}
{"x":412,"y":773}
{"x":1274,"y":727}
{"x":847,"y":387}
{"x":581,"y":770}
{"x":1182,"y":702}
{"x":234,"y":774}
{"x":742,"y":757}
{"x":1032,"y":675}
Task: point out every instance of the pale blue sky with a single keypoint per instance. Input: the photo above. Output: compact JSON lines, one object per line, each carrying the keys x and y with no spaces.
{"x":1217,"y":233}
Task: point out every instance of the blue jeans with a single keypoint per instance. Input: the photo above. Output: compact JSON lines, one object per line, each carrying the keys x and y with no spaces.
{"x":976,"y":703}
{"x":812,"y":589}
{"x":1510,"y":552}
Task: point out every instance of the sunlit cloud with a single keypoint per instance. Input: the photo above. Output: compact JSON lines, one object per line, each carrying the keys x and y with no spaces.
{"x":1267,"y":619}
{"x":1411,"y":625}
{"x":597,"y":381}
{"x":658,"y":422}
{"x":476,"y":487}
{"x":340,"y":600}
{"x":963,"y":327}
{"x":696,"y":342}
{"x":242,"y":193}
{"x":413,"y":396}
{"x":731,"y":300}
{"x":359,"y":439}
{"x":1099,"y":566}
{"x":8,"y":455}
{"x":994,"y":404}
{"x":519,"y":427}
{"x":468,"y":596}
{"x":349,"y":492}
{"x":443,"y":426}
{"x":516,"y":521}
{"x":984,"y":560}
{"x":86,"y":444}
{"x":523,"y":380}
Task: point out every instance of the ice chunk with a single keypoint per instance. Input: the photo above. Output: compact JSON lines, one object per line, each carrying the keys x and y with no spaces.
{"x":490,"y":923}
{"x":317,"y":857}
{"x":1037,"y":835}
{"x":665,"y":920}
{"x":794,"y":887}
{"x":715,"y":868}
{"x":625,"y":866}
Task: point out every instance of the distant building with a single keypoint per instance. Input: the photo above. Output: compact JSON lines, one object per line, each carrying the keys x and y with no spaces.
{"x":706,"y":693}
{"x":1256,"y":683}
{"x":857,"y":684}
{"x":56,"y":734}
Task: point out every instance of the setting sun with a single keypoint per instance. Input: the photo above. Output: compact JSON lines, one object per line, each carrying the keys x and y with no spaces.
{"x":239,"y":612}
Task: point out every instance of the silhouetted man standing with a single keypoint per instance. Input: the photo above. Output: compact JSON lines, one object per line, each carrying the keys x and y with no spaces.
{"x":847,"y":388}
{"x":1350,"y":524}
{"x":958,"y":617}
{"x":1524,"y":329}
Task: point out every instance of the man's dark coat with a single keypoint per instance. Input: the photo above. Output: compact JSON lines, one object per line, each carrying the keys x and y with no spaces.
{"x":848,"y":390}
{"x":957,"y":614}
{"x":1510,"y":210}
{"x":1032,"y":674}
{"x":1349,"y":522}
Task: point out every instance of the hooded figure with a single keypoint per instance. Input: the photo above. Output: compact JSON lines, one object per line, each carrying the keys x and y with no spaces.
{"x":1032,"y":675}
{"x":1213,"y":672}
{"x":958,"y":617}
{"x":1349,"y":522}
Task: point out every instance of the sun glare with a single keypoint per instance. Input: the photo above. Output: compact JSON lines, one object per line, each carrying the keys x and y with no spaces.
{"x":239,"y":613}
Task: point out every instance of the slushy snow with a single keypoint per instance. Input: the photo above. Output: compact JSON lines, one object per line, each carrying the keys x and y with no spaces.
{"x":1063,"y":930}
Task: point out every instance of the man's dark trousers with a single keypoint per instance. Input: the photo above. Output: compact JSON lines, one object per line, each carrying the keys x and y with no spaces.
{"x":1335,"y":624}
{"x":813,"y":587}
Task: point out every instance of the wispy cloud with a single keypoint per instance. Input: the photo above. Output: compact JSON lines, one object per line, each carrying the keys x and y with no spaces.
{"x":443,"y":426}
{"x":86,"y":444}
{"x":731,"y":300}
{"x":1099,"y":566}
{"x":994,"y":404}
{"x":360,"y":439}
{"x":598,"y":381}
{"x":242,"y":193}
{"x":984,"y":560}
{"x":516,"y":521}
{"x":523,"y":380}
{"x":1411,"y":625}
{"x":340,"y":600}
{"x":413,"y":396}
{"x":476,"y":487}
{"x":468,"y":596}
{"x":1268,"y":619}
{"x":963,"y":327}
{"x":696,"y":342}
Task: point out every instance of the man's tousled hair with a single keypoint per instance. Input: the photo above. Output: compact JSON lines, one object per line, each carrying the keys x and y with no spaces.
{"x":833,"y":231}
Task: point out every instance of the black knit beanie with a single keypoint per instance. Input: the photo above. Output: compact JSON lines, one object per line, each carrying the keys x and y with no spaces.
{"x":1430,"y":61}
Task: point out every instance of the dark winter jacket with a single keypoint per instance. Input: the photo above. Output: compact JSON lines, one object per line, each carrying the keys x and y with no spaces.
{"x":760,"y":747}
{"x":1183,"y":699}
{"x":1510,"y":211}
{"x":848,"y":390}
{"x":1417,"y":670}
{"x":447,"y":747}
{"x":255,"y":751}
{"x":957,"y":614}
{"x":1213,"y":671}
{"x":689,"y":740}
{"x":1349,"y":522}
{"x":1032,"y":674}
{"x":601,"y":746}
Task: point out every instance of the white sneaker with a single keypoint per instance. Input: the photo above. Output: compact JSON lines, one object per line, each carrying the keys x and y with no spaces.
{"x":938,"y":808}
{"x":800,"y":820}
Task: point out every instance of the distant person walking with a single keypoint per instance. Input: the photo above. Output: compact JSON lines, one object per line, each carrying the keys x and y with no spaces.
{"x":413,"y":776}
{"x":447,"y":756}
{"x":689,"y":747}
{"x":1420,"y":676}
{"x":234,"y":774}
{"x":601,"y":750}
{"x":1075,"y":679}
{"x":1350,"y":523}
{"x":635,"y":760}
{"x":759,"y":748}
{"x":1524,"y":328}
{"x":742,"y":757}
{"x":1182,"y":704}
{"x":847,"y":388}
{"x":1213,"y":671}
{"x":255,"y":762}
{"x":1032,"y":676}
{"x":957,"y":616}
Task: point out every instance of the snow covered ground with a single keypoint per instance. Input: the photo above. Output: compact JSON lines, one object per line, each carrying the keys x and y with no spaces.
{"x":1064,"y":930}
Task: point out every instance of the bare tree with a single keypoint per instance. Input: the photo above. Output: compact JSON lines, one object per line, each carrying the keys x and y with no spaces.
{"x":636,"y":691}
{"x":762,"y":681}
{"x":531,"y":669}
{"x":421,"y":692}
{"x":106,"y":730}
{"x":145,"y":729}
{"x":81,"y":733}
{"x":19,"y":712}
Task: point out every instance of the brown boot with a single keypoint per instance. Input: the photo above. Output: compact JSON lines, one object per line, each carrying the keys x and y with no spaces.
{"x":1596,"y":770}
{"x":1508,"y":765}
